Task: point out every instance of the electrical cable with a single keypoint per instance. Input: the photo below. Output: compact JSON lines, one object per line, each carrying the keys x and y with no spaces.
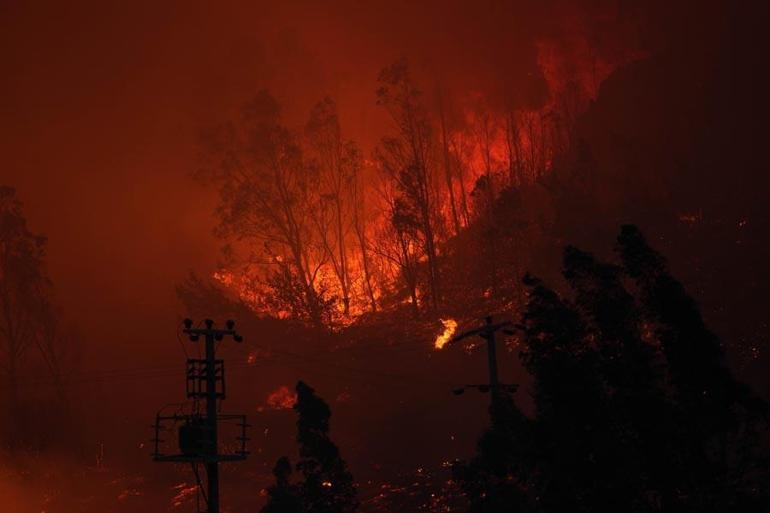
{"x":200,"y":484}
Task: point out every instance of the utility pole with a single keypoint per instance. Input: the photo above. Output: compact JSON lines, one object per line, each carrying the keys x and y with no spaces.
{"x":198,"y":434}
{"x":487,"y":332}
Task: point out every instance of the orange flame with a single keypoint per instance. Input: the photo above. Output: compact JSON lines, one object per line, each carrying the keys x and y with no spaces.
{"x":450,"y":326}
{"x":281,"y":399}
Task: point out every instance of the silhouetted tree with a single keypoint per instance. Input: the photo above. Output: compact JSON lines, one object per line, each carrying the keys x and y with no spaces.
{"x":282,"y":497}
{"x":632,"y":376}
{"x":23,"y":289}
{"x":29,"y":326}
{"x":495,"y":480}
{"x":339,"y":162}
{"x":634,"y":408}
{"x":449,"y":160}
{"x":398,"y":244}
{"x":716,"y":415}
{"x":327,"y":485}
{"x":267,"y":196}
{"x":579,"y":455}
{"x":361,"y":216}
{"x":407,"y":158}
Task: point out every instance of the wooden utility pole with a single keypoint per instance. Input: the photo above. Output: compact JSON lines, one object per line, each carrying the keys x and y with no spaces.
{"x":198,"y":434}
{"x":487,"y":332}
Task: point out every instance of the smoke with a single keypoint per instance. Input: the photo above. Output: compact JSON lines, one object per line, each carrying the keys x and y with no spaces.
{"x":103,"y":102}
{"x":14,"y":497}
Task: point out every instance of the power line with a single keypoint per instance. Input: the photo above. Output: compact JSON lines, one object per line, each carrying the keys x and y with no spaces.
{"x":318,"y":358}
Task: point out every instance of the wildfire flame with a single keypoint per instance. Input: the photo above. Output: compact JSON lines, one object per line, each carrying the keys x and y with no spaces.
{"x":281,"y":399}
{"x":450,"y":326}
{"x":490,"y":149}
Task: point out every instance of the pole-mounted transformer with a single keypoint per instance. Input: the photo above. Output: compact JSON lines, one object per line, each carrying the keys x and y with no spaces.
{"x":197,"y":432}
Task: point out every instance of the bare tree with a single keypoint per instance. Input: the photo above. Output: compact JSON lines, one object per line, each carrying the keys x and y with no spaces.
{"x":338,"y":160}
{"x":28,"y":322}
{"x":448,"y":162}
{"x":485,"y":132}
{"x":407,"y":158}
{"x":267,"y":194}
{"x":22,"y":281}
{"x":360,"y":225}
{"x":398,"y":240}
{"x":513,"y":146}
{"x":461,"y":154}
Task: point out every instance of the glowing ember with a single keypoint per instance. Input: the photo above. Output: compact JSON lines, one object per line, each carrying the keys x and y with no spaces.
{"x":450,"y":325}
{"x":184,"y":494}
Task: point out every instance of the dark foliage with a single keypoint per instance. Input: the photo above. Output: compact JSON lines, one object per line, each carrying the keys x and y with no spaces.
{"x":282,"y":496}
{"x":493,"y":479}
{"x":33,"y":338}
{"x":635,"y":408}
{"x":327,"y":485}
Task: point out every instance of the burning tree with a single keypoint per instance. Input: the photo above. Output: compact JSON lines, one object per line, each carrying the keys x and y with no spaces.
{"x":408,"y":160}
{"x":268,"y":193}
{"x":309,"y":237}
{"x":398,"y":242}
{"x":339,"y":164}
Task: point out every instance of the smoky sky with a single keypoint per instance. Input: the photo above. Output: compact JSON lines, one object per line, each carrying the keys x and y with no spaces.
{"x":101,"y":103}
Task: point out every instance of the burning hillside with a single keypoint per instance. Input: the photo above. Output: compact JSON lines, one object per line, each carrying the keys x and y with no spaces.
{"x":317,"y":230}
{"x":355,"y":184}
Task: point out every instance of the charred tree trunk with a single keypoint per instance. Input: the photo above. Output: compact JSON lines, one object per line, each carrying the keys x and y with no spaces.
{"x":360,"y":233}
{"x":409,"y":272}
{"x":448,"y":168}
{"x":343,"y":259}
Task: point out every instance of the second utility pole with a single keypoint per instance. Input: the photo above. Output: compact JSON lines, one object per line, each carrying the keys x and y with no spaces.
{"x":487,"y":332}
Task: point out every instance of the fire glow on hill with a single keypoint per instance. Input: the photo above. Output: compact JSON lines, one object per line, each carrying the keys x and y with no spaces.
{"x":321,"y":232}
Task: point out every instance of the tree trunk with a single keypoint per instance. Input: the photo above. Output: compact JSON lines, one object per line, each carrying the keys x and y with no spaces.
{"x":365,"y":265}
{"x":343,"y":266}
{"x":448,"y":169}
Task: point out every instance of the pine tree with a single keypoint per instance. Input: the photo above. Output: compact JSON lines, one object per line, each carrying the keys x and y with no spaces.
{"x":631,"y":370}
{"x":577,"y":450}
{"x":635,"y":409}
{"x":717,"y":415}
{"x":29,"y":327}
{"x":328,"y":485}
{"x":492,"y":480}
